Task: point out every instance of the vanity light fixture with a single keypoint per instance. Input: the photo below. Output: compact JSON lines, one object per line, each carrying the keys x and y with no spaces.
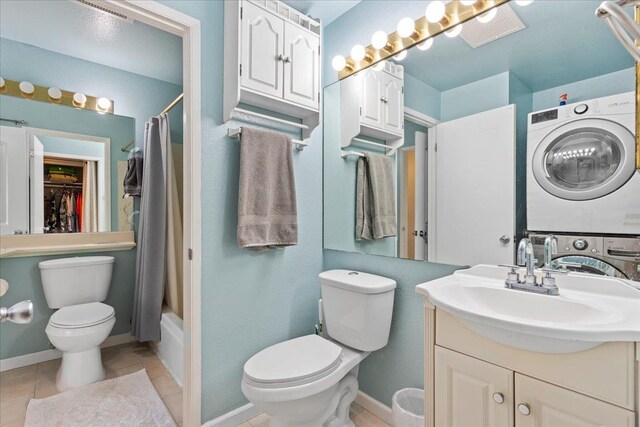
{"x":400,"y":56}
{"x":524,"y":2}
{"x":103,"y":104}
{"x":54,"y":93}
{"x":425,"y":45}
{"x":379,"y":39}
{"x":27,"y":88}
{"x":2,"y":85}
{"x":439,"y":17}
{"x":487,"y":16}
{"x":379,"y":66}
{"x":79,"y":99}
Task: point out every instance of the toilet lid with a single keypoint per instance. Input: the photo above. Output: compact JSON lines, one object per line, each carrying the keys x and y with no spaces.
{"x":82,"y":315}
{"x":299,"y":360}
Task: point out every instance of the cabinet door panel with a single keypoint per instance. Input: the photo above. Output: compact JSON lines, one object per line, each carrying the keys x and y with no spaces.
{"x":552,"y":406}
{"x":262,"y":44}
{"x":302,"y":66}
{"x":464,"y":392}
{"x":371,"y":100}
{"x":393,"y":104}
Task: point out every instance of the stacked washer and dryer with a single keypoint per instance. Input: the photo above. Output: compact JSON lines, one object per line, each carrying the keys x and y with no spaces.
{"x":583,"y":187}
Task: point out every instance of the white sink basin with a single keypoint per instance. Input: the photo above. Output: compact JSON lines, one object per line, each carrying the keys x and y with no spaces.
{"x":589,"y":311}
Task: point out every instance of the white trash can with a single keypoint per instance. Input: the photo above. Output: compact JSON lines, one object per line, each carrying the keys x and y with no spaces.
{"x":408,"y":408}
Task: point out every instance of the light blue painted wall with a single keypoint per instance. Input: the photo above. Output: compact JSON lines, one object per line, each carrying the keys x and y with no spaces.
{"x":421,"y":97}
{"x":23,"y":276}
{"x":410,"y":130}
{"x":133,"y":95}
{"x":76,"y":147}
{"x":472,"y":98}
{"x":401,"y":363}
{"x":605,"y":85}
{"x":249,"y":300}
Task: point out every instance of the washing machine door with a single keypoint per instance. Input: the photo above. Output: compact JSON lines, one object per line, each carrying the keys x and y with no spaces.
{"x":586,"y":264}
{"x":585,"y":159}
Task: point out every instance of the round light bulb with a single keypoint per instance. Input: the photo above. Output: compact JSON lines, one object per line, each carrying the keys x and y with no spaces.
{"x":406,"y":27}
{"x":27,"y":88}
{"x":358,"y":52}
{"x":468,"y":2}
{"x":400,"y":56}
{"x":487,"y":16}
{"x":454,"y":32}
{"x":338,"y":62}
{"x":79,"y":98}
{"x":425,"y":45}
{"x":379,"y":39}
{"x":524,"y":2}
{"x":104,"y":104}
{"x":1,"y":83}
{"x":54,"y":93}
{"x":379,"y":66}
{"x":435,"y":11}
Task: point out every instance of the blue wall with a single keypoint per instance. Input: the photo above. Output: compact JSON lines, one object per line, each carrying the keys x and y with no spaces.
{"x":421,"y":97}
{"x":472,"y":98}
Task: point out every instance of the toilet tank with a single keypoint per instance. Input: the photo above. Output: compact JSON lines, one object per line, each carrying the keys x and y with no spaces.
{"x":71,"y":281}
{"x":357,"y":308}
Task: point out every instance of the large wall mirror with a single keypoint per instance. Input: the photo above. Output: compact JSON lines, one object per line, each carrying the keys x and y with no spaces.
{"x":515,"y":127}
{"x":63,"y":169}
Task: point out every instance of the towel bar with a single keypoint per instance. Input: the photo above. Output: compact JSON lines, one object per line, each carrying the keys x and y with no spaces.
{"x":273,"y":119}
{"x":345,"y":154}
{"x":236,"y":132}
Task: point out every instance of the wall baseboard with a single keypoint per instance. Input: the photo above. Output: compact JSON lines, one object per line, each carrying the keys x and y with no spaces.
{"x":377,"y":408}
{"x":248,"y":411}
{"x":46,"y":355}
{"x":235,"y":417}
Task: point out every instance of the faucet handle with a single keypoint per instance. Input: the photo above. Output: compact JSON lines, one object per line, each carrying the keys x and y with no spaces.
{"x":551,"y":271}
{"x":512,"y":267}
{"x":512,"y":275}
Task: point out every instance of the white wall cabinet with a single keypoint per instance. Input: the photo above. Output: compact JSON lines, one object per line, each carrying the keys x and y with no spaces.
{"x":272,"y":60}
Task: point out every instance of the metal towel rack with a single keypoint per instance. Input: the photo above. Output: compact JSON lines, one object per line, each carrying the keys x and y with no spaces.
{"x":236,"y":132}
{"x":390,"y":150}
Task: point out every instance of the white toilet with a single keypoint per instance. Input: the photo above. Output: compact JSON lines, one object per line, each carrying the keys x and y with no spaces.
{"x":76,"y":286}
{"x":311,"y":381}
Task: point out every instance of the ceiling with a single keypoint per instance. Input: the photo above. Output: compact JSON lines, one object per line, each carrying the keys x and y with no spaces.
{"x":564,"y":42}
{"x":73,"y":29}
{"x":325,"y":10}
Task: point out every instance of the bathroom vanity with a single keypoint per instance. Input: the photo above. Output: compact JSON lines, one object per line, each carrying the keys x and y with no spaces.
{"x":488,"y":362}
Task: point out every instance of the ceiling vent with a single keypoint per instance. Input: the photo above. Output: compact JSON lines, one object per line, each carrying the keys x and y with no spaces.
{"x":97,"y":5}
{"x":505,"y":22}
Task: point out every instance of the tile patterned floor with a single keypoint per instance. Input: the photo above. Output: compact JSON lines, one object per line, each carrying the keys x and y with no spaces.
{"x":20,"y":385}
{"x":360,"y":417}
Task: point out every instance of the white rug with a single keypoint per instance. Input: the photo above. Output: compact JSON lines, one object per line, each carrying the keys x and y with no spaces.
{"x":130,"y":400}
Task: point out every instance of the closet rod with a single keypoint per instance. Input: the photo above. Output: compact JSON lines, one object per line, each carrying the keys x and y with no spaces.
{"x":15,"y":122}
{"x":173,"y":104}
{"x":273,"y":119}
{"x":236,"y":132}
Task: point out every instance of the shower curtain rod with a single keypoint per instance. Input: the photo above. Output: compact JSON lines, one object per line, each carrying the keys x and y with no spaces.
{"x":173,"y":104}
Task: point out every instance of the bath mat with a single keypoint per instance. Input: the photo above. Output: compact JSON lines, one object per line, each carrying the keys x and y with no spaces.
{"x":130,"y":400}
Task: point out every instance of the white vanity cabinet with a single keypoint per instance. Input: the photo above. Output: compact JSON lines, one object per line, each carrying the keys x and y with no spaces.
{"x":272,"y":59}
{"x":478,"y":382}
{"x":382,"y":101}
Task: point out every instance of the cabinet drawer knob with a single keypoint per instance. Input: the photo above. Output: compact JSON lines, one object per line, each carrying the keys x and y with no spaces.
{"x":498,"y":397}
{"x":524,"y":408}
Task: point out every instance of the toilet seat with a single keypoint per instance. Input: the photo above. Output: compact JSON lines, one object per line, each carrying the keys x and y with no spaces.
{"x":294,"y":362}
{"x":82,"y":315}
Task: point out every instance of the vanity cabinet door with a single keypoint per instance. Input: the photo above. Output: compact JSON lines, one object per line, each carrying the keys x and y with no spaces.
{"x":262,"y":50}
{"x":540,"y":404}
{"x":301,"y":68}
{"x":470,"y":392}
{"x":393,"y":104}
{"x":371,"y":111}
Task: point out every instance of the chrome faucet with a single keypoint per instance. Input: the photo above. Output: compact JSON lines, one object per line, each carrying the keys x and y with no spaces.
{"x":550,"y":249}
{"x":525,"y":258}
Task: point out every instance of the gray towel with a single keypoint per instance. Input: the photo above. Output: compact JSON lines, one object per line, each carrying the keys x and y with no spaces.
{"x":267,"y":215}
{"x":133,"y":178}
{"x":375,"y":198}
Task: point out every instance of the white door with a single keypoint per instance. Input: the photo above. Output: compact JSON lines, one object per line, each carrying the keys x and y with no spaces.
{"x":371,"y":102}
{"x":36,"y":184}
{"x":14,"y":181}
{"x":393,"y":104}
{"x":475,"y":191}
{"x":262,"y":50}
{"x":421,"y":240}
{"x":301,"y":66}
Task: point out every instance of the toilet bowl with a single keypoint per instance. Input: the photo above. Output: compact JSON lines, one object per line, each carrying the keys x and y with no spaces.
{"x":311,"y":381}
{"x":77,"y":331}
{"x":76,"y":287}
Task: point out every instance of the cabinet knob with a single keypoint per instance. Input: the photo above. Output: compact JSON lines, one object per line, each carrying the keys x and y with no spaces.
{"x":498,"y":398}
{"x":524,"y":408}
{"x":281,"y":57}
{"x":287,"y":59}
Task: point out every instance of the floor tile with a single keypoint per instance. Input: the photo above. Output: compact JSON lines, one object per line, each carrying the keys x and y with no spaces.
{"x":46,"y":378}
{"x":174,"y":403}
{"x":354,"y":410}
{"x":17,"y":423}
{"x":244,"y":425}
{"x":13,"y":409}
{"x":367,"y":419}
{"x":165,"y":385}
{"x":154,"y":367}
{"x":16,"y":385}
{"x":25,"y":370}
{"x":51,"y":365}
{"x":41,"y":393}
{"x":261,"y":420}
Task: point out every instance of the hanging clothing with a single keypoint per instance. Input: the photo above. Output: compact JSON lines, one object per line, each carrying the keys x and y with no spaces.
{"x":150,"y":256}
{"x":133,"y":178}
{"x":79,"y":210}
{"x":89,"y":198}
{"x":173,"y":294}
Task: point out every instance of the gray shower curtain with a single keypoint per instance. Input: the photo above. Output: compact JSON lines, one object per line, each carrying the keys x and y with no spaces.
{"x":150,"y":269}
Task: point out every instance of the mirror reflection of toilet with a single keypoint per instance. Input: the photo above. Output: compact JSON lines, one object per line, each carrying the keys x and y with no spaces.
{"x":76,"y":287}
{"x":311,"y":380}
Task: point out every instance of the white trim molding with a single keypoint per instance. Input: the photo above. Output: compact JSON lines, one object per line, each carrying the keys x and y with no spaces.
{"x":46,"y":355}
{"x":377,"y":408}
{"x":234,"y":418}
{"x":419,"y":118}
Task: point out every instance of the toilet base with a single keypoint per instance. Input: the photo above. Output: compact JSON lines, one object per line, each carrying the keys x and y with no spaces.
{"x":80,"y":368}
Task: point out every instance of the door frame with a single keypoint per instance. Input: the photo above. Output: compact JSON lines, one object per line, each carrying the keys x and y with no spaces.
{"x":187,"y":27}
{"x":404,"y":212}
